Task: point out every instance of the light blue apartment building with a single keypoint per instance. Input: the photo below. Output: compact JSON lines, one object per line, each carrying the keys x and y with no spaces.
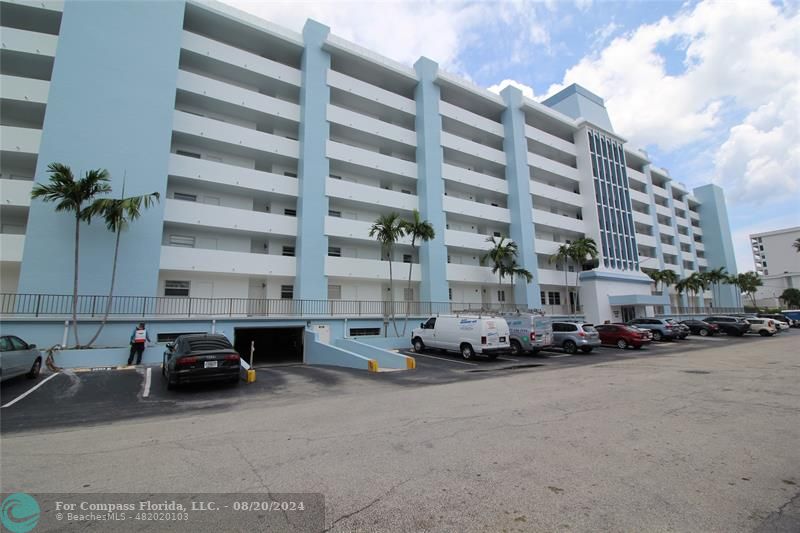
{"x":274,"y":152}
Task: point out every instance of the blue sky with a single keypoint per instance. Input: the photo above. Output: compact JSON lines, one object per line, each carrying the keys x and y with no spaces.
{"x":711,"y":89}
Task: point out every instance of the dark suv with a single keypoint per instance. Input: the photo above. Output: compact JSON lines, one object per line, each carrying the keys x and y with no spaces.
{"x":730,"y":325}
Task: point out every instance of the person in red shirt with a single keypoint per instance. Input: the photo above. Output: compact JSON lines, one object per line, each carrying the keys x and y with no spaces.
{"x":139,"y":339}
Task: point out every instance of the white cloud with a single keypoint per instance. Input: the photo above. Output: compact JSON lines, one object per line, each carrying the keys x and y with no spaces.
{"x":402,"y":31}
{"x":526,"y":90}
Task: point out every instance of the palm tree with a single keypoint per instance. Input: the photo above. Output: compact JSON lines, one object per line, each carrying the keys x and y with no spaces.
{"x":654,"y":274}
{"x":749,"y":283}
{"x":420,"y":229}
{"x":515,"y":270}
{"x":118,"y":213}
{"x":71,"y":196}
{"x":579,"y":251}
{"x":697,"y":283}
{"x":388,"y":229}
{"x":681,"y":286}
{"x":733,"y":279}
{"x":668,"y":278}
{"x":715,"y":277}
{"x":796,"y":245}
{"x":501,"y":254}
{"x":563,"y":256}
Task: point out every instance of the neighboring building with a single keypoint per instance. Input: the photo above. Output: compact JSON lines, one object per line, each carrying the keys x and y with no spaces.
{"x":275,"y":151}
{"x":777,"y":262}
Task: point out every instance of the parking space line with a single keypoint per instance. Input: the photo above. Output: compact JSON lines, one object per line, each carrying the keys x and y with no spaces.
{"x":21,"y":396}
{"x":147,"y":383}
{"x":506,"y":359}
{"x":443,"y":359}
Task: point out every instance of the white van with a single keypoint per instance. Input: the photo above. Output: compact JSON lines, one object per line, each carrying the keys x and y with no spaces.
{"x":468,"y":335}
{"x":529,"y":332}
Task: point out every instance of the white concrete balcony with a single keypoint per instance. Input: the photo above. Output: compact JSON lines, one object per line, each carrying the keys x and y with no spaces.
{"x":15,"y":193}
{"x":235,"y":135}
{"x":694,"y":215}
{"x":543,"y":137}
{"x":669,"y":249}
{"x":548,"y":165}
{"x":469,"y":118}
{"x":466,"y":146}
{"x":471,"y":274}
{"x":29,"y":42}
{"x":644,"y":218}
{"x":350,"y":267}
{"x":225,"y":262}
{"x":699,"y":246}
{"x":372,"y":126}
{"x":240,"y":58}
{"x":225,"y":92}
{"x":662,"y":210}
{"x":11,"y":247}
{"x":660,"y":191}
{"x":639,"y":196}
{"x":702,"y":261}
{"x":474,"y":179}
{"x":685,"y":239}
{"x":24,"y":89}
{"x":246,"y":179}
{"x":474,"y":209}
{"x":547,"y":247}
{"x":215,"y":217}
{"x":371,"y":92}
{"x":353,"y":229}
{"x":553,"y":220}
{"x":547,"y":276}
{"x":554,"y":193}
{"x":369,"y":159}
{"x":646,"y":240}
{"x":636,"y":175}
{"x":22,"y":140}
{"x":465,"y":239}
{"x":368,"y":195}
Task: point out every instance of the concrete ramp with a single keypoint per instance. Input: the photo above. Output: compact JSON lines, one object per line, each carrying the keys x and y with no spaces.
{"x":387,"y":359}
{"x":320,"y":353}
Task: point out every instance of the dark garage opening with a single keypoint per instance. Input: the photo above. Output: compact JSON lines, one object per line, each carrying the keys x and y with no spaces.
{"x":273,"y":346}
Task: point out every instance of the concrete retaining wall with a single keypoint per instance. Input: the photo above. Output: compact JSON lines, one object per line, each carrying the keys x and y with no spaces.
{"x":319,"y":353}
{"x":385,"y":358}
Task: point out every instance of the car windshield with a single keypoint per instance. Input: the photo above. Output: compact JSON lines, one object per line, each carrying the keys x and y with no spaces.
{"x":589,"y":328}
{"x":205,"y":344}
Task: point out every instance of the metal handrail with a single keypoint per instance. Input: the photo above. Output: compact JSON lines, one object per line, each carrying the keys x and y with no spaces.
{"x":94,"y":306}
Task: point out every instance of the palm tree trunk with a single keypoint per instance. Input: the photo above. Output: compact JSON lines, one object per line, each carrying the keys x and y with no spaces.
{"x":110,"y":292}
{"x":408,"y":304}
{"x":391,"y":296}
{"x":566,"y":284}
{"x":75,"y":280}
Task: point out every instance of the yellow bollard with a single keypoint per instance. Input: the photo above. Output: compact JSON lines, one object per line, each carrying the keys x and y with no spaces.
{"x":251,"y":376}
{"x":411,"y":363}
{"x":372,"y":365}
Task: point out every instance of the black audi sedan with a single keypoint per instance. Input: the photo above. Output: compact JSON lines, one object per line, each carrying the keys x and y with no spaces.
{"x":698,"y":327}
{"x":200,"y":358}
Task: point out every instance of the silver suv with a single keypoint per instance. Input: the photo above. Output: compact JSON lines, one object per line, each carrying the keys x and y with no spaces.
{"x":573,"y":335}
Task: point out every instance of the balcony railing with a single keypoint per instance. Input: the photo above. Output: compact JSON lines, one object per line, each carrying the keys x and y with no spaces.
{"x":94,"y":306}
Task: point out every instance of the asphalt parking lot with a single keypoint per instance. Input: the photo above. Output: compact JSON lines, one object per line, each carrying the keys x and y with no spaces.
{"x":103,"y":396}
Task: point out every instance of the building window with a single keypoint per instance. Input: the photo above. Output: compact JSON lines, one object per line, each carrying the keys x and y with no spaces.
{"x":176,"y":288}
{"x":408,"y":294}
{"x":450,"y":294}
{"x":184,"y":241}
{"x":501,"y":296}
{"x":288,"y":251}
{"x":290,"y":212}
{"x":405,"y":191}
{"x":334,"y":251}
{"x":188,"y":154}
{"x":542,"y":297}
{"x":184,"y":197}
{"x":290,"y":174}
{"x":406,"y":258}
{"x":335,"y":214}
{"x":287,"y":292}
{"x":364,"y":332}
{"x":496,"y":234}
{"x":554,"y":298}
{"x":334,"y":292}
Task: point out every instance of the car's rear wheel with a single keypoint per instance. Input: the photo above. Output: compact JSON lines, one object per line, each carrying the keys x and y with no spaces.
{"x":657,"y":336}
{"x":570,"y":347}
{"x":419,"y":346}
{"x":466,"y":351}
{"x":35,"y":369}
{"x":764,"y":333}
{"x":516,"y":347}
{"x":622,"y":344}
{"x":703,"y":332}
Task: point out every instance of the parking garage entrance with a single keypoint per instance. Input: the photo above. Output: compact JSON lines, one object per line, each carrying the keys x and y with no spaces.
{"x":273,"y":346}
